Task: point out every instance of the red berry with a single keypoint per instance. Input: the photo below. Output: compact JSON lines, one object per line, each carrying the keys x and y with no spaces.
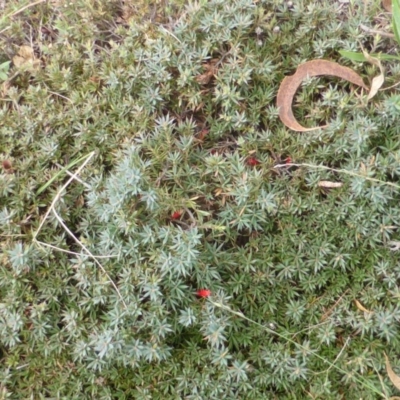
{"x":252,"y":161}
{"x":176,"y":215}
{"x":288,"y":160}
{"x":203,"y":293}
{"x":6,"y":164}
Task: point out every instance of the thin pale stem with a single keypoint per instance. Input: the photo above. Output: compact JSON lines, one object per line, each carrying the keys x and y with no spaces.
{"x":69,"y":251}
{"x":90,"y":254}
{"x":342,"y":171}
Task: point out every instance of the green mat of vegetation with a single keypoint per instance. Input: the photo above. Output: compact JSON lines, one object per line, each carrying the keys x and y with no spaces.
{"x":139,"y":145}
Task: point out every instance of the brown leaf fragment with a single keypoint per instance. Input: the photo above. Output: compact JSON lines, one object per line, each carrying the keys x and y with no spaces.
{"x":202,"y":134}
{"x":211,"y":71}
{"x":80,"y":201}
{"x":330,"y":185}
{"x":377,"y":83}
{"x":387,"y":5}
{"x":26,"y":58}
{"x":4,"y":88}
{"x":361,"y":307}
{"x":392,"y":376}
{"x":363,"y":168}
{"x":290,"y":84}
{"x":204,"y":79}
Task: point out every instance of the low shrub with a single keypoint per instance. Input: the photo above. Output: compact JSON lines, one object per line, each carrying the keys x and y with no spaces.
{"x":183,"y":263}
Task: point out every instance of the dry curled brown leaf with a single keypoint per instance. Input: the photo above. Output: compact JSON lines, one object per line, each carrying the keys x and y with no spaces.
{"x":290,"y":84}
{"x":392,"y":376}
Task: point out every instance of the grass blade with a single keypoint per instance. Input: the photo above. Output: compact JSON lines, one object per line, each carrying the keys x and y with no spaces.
{"x":60,"y":172}
{"x":359,"y":57}
{"x":353,"y":55}
{"x":396,"y":19}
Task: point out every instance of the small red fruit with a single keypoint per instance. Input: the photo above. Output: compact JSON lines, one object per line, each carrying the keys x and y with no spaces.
{"x":6,"y":164}
{"x":288,"y":160}
{"x":203,"y":293}
{"x":252,"y":161}
{"x":176,"y":215}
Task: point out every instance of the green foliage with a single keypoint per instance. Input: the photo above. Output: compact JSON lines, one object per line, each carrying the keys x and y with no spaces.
{"x":360,"y":57}
{"x":4,"y":67}
{"x":284,"y":258}
{"x":396,"y":19}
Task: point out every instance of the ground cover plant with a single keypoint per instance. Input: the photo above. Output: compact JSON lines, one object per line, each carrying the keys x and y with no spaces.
{"x":157,"y":241}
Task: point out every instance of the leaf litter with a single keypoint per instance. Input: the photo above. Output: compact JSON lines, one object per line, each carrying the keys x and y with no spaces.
{"x":309,"y":69}
{"x":395,"y":379}
{"x":26,"y":59}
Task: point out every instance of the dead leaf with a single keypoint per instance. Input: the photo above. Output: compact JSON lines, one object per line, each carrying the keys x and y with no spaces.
{"x":361,"y":307}
{"x":387,"y":5}
{"x":377,"y":82}
{"x":392,"y":376}
{"x":372,"y":160}
{"x":329,"y":185}
{"x":25,"y":53}
{"x":80,"y":201}
{"x":211,"y":71}
{"x":26,"y":58}
{"x":363,"y":168}
{"x":202,"y":134}
{"x":5,"y":86}
{"x":127,"y":13}
{"x":94,"y":79}
{"x":204,"y":79}
{"x":290,"y":84}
